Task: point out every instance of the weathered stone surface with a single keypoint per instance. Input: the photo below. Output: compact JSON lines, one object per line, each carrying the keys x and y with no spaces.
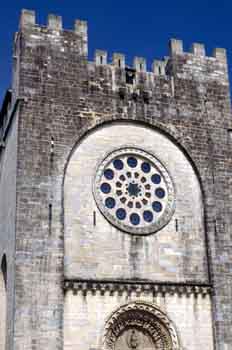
{"x":104,"y":252}
{"x":90,"y":314}
{"x":69,"y":101}
{"x":8,"y":170}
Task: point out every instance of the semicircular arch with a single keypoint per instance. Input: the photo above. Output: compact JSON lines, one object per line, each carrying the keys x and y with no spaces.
{"x":173,"y":135}
{"x":81,"y":206}
{"x":137,"y":325}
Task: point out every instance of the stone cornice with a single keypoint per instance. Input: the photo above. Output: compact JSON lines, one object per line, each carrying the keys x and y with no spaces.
{"x":128,"y":287}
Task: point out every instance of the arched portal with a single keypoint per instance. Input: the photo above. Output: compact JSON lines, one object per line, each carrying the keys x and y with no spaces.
{"x":3,"y":302}
{"x":139,"y":325}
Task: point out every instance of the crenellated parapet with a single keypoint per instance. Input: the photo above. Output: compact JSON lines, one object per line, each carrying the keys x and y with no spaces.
{"x":158,"y":68}
{"x":54,"y":23}
{"x":54,"y":29}
{"x":50,"y":51}
{"x":197,"y":50}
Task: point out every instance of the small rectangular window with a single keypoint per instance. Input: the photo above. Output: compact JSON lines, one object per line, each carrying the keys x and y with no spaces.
{"x":130,"y":76}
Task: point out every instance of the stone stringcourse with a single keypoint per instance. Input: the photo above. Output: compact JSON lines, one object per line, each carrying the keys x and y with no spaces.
{"x":120,"y":288}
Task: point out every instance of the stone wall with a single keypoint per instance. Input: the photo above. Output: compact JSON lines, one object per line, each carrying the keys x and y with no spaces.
{"x":185,"y":97}
{"x":8,"y":165}
{"x":3,"y":297}
{"x":98,"y":250}
{"x":89,"y":312}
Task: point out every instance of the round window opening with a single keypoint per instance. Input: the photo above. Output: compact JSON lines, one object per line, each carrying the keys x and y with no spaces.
{"x":134,"y":191}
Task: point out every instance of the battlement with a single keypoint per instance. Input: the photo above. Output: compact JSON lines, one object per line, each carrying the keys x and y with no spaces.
{"x":198,"y":50}
{"x":158,"y":66}
{"x":54,"y":23}
{"x":55,"y":26}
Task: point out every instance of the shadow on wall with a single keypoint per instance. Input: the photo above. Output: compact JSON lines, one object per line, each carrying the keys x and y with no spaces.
{"x":3,"y":302}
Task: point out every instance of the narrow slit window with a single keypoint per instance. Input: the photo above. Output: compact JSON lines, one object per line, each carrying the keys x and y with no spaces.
{"x":50,"y":218}
{"x":177,"y":225}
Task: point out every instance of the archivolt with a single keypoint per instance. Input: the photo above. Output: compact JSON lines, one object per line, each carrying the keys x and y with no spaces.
{"x":138,"y":321}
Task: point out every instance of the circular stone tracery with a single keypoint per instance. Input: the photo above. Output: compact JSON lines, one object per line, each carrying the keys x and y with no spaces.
{"x":134,"y":191}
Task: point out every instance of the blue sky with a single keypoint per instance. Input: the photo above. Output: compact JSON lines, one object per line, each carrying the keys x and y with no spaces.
{"x":135,"y":28}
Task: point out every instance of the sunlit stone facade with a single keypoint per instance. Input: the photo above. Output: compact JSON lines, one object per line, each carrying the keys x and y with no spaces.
{"x":115,"y":197}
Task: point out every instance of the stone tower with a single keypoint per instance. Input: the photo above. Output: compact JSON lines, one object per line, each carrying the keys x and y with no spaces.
{"x":115,"y":197}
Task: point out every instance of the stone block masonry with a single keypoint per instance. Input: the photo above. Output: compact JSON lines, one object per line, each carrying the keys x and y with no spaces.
{"x":61,"y":117}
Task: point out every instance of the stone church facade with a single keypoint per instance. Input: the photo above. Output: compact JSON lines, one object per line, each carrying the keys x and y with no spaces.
{"x":115,"y":197}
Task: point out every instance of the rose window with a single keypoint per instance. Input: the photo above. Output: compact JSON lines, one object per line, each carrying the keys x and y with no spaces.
{"x":134,"y":191}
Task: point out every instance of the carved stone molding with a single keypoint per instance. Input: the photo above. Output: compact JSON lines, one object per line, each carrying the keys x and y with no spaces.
{"x":119,"y":288}
{"x":139,"y":325}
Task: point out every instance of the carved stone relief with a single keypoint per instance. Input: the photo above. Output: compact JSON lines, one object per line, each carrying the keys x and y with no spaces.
{"x":140,"y":326}
{"x":134,"y":339}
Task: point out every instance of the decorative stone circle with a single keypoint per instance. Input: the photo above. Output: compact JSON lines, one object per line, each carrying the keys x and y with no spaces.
{"x":134,"y":191}
{"x":140,"y":325}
